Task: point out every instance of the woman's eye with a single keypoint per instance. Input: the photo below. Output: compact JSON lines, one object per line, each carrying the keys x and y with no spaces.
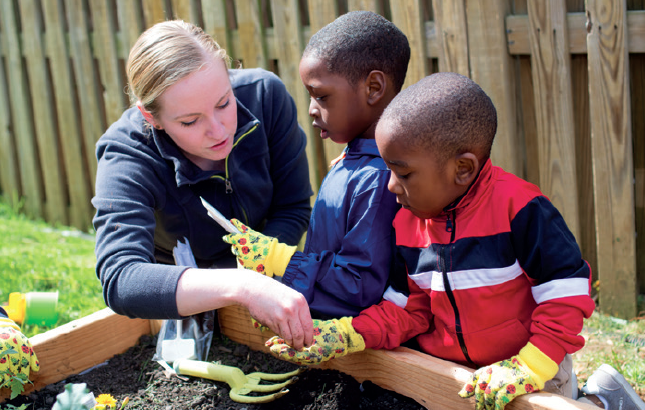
{"x":188,"y":124}
{"x":403,"y":176}
{"x":224,"y":105}
{"x":323,"y":98}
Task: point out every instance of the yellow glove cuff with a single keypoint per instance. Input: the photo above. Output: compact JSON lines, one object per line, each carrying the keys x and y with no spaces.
{"x":278,"y":258}
{"x":355,"y":342}
{"x":6,"y":322}
{"x":541,"y":367}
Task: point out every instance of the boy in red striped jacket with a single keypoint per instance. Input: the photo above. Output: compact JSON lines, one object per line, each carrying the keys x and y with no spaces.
{"x":495,"y":278}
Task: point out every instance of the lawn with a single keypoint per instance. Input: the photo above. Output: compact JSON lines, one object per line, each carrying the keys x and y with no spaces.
{"x":35,"y":256}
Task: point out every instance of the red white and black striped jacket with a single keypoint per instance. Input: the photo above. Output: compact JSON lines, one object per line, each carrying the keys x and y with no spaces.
{"x":497,"y":269}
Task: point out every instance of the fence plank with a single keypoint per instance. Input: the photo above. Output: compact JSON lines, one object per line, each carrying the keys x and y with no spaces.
{"x":88,"y":95}
{"x":30,"y":176}
{"x":407,"y":16}
{"x":41,"y":97}
{"x":9,"y":173}
{"x":451,"y":32}
{"x":373,"y":5}
{"x":131,"y":24}
{"x":252,"y":50}
{"x":637,"y":72}
{"x":154,"y":11}
{"x":551,"y":67}
{"x":518,"y":33}
{"x":287,"y":29}
{"x":321,"y":13}
{"x":105,"y":49}
{"x":612,"y":156}
{"x":215,"y":22}
{"x":78,"y":178}
{"x":491,"y":67}
{"x":184,"y":10}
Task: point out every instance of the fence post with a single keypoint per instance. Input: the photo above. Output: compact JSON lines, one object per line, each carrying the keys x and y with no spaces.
{"x":613,"y":173}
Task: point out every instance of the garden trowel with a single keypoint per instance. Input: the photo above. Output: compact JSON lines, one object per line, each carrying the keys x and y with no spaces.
{"x":178,"y":347}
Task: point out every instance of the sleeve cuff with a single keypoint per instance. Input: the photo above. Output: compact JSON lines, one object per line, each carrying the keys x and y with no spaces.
{"x":541,"y":366}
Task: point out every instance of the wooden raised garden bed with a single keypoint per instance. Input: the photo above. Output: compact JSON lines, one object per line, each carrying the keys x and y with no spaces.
{"x":432,"y":382}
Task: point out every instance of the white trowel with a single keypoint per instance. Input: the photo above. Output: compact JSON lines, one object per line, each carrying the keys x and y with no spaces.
{"x":180,"y":348}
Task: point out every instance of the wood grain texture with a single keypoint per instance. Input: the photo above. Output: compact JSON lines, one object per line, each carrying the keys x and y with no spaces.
{"x":44,"y":121}
{"x":518,"y":33}
{"x":215,"y":22}
{"x":21,"y":120}
{"x":612,"y":156}
{"x":252,"y":50}
{"x":432,"y":382}
{"x":492,"y":68}
{"x":83,"y":343}
{"x":407,"y":15}
{"x":68,"y":122}
{"x":451,"y":32}
{"x":92,"y":123}
{"x":551,"y":68}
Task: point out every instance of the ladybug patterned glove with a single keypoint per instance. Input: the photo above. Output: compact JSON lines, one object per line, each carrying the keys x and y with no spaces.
{"x":17,"y":357}
{"x":259,"y":252}
{"x":332,"y":338}
{"x":496,"y":385}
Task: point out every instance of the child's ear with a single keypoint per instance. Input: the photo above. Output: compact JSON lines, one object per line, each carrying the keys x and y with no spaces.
{"x":467,"y":168}
{"x":376,"y":84}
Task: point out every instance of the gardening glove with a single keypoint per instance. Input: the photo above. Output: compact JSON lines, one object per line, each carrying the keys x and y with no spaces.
{"x":259,"y":252}
{"x":259,"y":325}
{"x":496,"y":385}
{"x":17,"y":357}
{"x":332,"y":338}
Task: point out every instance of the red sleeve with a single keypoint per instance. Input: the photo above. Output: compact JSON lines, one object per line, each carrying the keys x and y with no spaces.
{"x":386,"y":325}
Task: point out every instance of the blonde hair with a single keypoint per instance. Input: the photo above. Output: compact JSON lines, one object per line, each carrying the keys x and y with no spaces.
{"x":163,"y":55}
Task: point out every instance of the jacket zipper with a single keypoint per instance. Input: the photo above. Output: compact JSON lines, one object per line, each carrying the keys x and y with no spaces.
{"x":227,"y":180}
{"x":451,"y":226}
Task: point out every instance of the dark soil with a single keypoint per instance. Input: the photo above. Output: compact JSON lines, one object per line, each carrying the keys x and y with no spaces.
{"x":133,"y":374}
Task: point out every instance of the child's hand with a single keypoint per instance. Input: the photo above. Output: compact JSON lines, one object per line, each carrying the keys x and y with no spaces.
{"x":259,"y":252}
{"x":332,"y":338}
{"x":17,"y":357}
{"x":496,"y":385}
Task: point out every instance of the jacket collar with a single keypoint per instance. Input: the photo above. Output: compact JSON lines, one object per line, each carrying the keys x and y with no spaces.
{"x":362,"y":147}
{"x":185,"y":171}
{"x":475,"y":190}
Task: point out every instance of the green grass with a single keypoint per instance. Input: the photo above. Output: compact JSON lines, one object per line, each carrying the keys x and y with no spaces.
{"x":35,"y":257}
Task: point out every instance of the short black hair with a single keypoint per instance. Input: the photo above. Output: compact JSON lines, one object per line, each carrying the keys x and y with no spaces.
{"x":359,"y":42}
{"x":446,"y":114}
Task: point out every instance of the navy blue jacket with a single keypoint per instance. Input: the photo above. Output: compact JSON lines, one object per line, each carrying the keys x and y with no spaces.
{"x":147,"y":196}
{"x":345,"y":264}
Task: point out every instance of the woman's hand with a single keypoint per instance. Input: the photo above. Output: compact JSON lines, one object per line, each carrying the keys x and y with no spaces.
{"x":284,"y":310}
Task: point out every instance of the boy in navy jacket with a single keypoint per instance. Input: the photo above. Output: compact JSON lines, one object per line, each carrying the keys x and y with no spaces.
{"x":352,"y":68}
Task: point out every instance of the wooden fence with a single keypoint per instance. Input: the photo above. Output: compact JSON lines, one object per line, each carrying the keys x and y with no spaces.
{"x":567,"y":78}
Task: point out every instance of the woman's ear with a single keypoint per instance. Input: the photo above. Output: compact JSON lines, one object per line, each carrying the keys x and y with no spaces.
{"x":147,"y":115}
{"x":375,"y":84}
{"x":467,"y":168}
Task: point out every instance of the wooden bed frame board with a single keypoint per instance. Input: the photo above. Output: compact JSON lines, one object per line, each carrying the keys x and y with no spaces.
{"x":434,"y":383}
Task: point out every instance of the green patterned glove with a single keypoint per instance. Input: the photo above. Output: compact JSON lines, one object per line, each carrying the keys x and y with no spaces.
{"x":496,"y":385}
{"x":259,"y":252}
{"x":17,"y":357}
{"x":332,"y":338}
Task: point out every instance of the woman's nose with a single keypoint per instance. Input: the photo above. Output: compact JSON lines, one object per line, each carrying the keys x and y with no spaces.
{"x":215,"y":127}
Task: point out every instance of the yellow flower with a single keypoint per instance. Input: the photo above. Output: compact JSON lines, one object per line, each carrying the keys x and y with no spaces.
{"x":105,"y":401}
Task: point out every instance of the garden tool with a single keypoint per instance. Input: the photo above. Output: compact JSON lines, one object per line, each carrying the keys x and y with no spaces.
{"x":33,"y":308}
{"x":219,"y":218}
{"x":180,"y":348}
{"x":241,"y":385}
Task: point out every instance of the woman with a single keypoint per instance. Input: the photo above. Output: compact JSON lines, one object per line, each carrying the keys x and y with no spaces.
{"x":198,"y":130}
